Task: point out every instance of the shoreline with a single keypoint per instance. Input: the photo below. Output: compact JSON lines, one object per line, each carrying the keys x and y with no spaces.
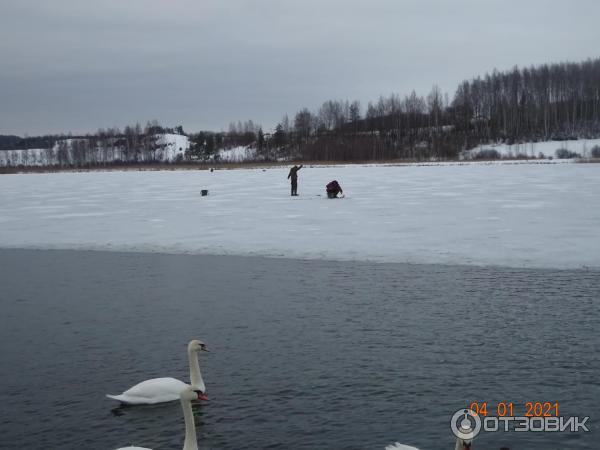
{"x":152,"y":167}
{"x":299,"y":258}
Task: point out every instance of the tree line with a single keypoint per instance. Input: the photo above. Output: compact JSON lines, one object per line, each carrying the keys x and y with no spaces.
{"x":548,"y":102}
{"x":134,"y":144}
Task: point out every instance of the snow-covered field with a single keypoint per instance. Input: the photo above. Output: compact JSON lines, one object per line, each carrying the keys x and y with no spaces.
{"x":545,"y":149}
{"x":526,"y":215}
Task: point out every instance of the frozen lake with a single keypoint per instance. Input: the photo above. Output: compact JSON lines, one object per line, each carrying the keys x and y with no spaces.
{"x":527,"y":215}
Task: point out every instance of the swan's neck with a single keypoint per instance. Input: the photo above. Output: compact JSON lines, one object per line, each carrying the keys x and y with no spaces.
{"x":459,"y":445}
{"x":191,"y":442}
{"x":195,"y":375}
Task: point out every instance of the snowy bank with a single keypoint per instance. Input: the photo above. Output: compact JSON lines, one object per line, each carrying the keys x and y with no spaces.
{"x":546,"y":149}
{"x":525,"y":215}
{"x":236,"y":154}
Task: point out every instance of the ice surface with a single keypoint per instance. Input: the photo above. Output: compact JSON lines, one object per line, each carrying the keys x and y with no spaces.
{"x":519,"y":215}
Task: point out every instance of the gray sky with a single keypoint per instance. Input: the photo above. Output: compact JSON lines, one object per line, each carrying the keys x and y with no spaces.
{"x":77,"y":65}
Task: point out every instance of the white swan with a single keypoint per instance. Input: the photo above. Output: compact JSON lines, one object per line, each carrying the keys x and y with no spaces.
{"x":186,"y":396}
{"x":461,"y":444}
{"x":159,"y":390}
{"x":134,"y":448}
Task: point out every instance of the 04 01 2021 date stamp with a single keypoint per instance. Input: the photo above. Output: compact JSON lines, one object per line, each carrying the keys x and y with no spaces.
{"x":527,"y":416}
{"x":525,"y":409}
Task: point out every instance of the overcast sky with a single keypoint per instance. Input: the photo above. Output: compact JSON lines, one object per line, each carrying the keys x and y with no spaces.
{"x":77,"y":65}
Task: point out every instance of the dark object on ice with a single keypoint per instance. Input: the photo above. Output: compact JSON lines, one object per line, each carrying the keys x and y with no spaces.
{"x":293,"y":175}
{"x":333,"y":189}
{"x":212,"y":170}
{"x":204,"y":192}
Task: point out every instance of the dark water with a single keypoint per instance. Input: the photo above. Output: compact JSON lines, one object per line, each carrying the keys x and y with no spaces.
{"x":305,"y":354}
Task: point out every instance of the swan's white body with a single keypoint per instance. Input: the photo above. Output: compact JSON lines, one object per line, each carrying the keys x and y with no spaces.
{"x":149,"y":392}
{"x":399,"y":446}
{"x":160,"y":390}
{"x":134,"y":448}
{"x":461,"y":444}
{"x":191,"y":441}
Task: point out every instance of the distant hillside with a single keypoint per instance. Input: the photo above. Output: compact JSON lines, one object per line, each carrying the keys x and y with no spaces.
{"x":97,"y":151}
{"x":550,"y":102}
{"x":543,"y":103}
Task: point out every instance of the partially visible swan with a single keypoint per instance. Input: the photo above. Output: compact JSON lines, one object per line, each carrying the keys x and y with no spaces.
{"x":186,"y":396}
{"x":134,"y":448}
{"x":461,"y":444}
{"x":159,"y":390}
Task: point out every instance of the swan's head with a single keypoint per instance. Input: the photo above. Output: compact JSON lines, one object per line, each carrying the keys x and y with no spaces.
{"x":190,"y":394}
{"x":197,"y":346}
{"x":466,"y":442}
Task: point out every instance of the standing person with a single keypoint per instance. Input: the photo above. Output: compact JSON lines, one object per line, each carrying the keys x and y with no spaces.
{"x":333,"y":188}
{"x":293,"y":175}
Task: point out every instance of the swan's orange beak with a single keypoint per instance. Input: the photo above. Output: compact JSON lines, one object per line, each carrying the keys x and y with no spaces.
{"x":202,"y":396}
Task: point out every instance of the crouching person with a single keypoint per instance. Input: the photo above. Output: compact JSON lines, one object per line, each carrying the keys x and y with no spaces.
{"x":333,"y":189}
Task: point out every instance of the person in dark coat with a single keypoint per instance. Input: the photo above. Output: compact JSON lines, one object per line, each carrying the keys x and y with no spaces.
{"x":333,"y":189}
{"x":293,"y":175}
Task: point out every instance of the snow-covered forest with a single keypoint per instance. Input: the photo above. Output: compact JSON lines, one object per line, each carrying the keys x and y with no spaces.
{"x":515,"y":108}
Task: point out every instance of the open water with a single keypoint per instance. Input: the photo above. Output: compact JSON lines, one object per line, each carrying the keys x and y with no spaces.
{"x":304,"y":354}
